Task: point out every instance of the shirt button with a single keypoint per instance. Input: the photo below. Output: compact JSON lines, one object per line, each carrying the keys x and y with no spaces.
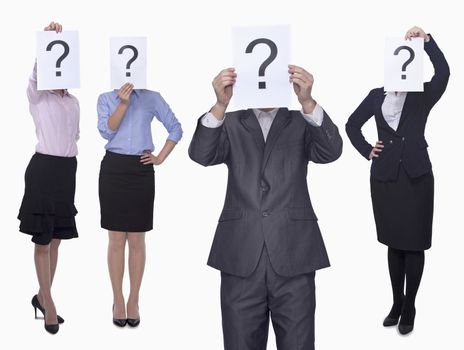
{"x":265,"y":213}
{"x":403,"y":138}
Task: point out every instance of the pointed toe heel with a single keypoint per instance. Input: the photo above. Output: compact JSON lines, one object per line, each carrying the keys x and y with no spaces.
{"x":36,"y":305}
{"x":133,"y":322}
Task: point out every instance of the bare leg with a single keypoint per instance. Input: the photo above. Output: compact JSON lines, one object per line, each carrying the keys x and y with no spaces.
{"x":116,"y":248}
{"x":54,"y":245}
{"x":42,"y":266}
{"x":136,"y":267}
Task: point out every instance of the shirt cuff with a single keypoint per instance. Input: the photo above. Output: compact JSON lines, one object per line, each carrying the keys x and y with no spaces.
{"x":210,"y":121}
{"x":316,"y":117}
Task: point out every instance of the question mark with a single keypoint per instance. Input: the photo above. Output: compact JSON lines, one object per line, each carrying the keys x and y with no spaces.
{"x":134,"y":57}
{"x":63,"y":56}
{"x":410,"y":59}
{"x":267,"y":62}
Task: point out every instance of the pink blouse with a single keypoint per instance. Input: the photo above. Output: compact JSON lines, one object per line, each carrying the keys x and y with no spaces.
{"x":56,"y":119}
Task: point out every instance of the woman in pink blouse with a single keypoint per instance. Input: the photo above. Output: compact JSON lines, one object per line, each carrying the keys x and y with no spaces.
{"x":47,"y":210}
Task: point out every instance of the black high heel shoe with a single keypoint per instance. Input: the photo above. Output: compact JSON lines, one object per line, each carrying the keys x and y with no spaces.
{"x":394,"y":315}
{"x":390,"y":321}
{"x":407,"y":326}
{"x":51,"y":328}
{"x":133,"y":322}
{"x":120,"y":322}
{"x":36,"y":305}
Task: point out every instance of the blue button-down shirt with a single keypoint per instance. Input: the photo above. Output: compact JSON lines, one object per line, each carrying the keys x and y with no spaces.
{"x":134,"y":133}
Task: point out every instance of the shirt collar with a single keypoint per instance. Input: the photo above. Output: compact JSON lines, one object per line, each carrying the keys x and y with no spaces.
{"x":395,"y":93}
{"x":258,"y":113}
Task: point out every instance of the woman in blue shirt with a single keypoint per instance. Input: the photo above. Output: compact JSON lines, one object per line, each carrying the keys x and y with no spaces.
{"x":126,"y":184}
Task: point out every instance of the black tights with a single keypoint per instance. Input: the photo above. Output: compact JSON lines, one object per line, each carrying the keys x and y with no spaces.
{"x":409,"y":264}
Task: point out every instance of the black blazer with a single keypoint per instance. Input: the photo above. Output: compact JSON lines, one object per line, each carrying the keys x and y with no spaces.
{"x":267,"y":199}
{"x":407,"y":144}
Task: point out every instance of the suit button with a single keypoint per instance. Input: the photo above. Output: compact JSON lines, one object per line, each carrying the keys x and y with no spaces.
{"x":403,"y":138}
{"x":265,"y":213}
{"x":401,"y":160}
{"x":264,"y":186}
{"x":391,"y":141}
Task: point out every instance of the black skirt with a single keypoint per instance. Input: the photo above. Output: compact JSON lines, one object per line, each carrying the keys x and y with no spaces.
{"x":403,"y":211}
{"x":127,"y":193}
{"x":47,"y":210}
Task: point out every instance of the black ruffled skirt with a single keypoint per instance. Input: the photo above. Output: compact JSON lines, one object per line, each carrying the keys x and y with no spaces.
{"x":47,"y":210}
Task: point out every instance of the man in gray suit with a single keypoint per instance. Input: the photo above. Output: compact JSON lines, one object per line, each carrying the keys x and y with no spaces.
{"x":267,"y":243}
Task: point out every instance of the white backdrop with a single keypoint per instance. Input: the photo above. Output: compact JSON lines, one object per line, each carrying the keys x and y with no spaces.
{"x":342,"y":44}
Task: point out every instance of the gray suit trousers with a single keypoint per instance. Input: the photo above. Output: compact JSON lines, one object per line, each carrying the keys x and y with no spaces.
{"x":248,"y":302}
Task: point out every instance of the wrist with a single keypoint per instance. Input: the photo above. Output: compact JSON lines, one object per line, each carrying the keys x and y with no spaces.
{"x":161,"y":158}
{"x":219,"y":110}
{"x":308,"y":105}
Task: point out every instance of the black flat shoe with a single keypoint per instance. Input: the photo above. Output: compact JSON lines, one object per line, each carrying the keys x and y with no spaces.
{"x":120,"y":322}
{"x":36,"y":305}
{"x":52,"y":328}
{"x":390,"y":321}
{"x":133,"y":322}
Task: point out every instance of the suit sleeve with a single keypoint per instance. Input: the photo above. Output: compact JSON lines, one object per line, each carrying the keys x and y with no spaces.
{"x":323,"y":143}
{"x":209,"y":146}
{"x":435,"y":88}
{"x":355,"y":122}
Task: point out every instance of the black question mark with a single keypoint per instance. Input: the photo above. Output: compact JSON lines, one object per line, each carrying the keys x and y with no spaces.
{"x":410,"y":59}
{"x":134,"y":57}
{"x":63,"y":56}
{"x":267,"y":62}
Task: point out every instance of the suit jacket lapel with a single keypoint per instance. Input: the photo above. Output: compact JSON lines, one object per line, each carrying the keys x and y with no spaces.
{"x":251,"y":124}
{"x":281,"y":120}
{"x":382,"y":120}
{"x":405,"y":108}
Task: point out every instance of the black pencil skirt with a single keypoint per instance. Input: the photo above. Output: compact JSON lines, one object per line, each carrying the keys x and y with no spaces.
{"x":127,"y":193}
{"x":403,"y":211}
{"x":47,"y":210}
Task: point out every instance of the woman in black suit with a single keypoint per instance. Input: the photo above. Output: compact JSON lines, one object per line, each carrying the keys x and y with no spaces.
{"x":402,"y":183}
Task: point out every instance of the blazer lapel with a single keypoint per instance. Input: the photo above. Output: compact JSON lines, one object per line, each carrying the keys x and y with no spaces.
{"x":281,"y":120}
{"x":382,"y":120}
{"x":406,"y":108}
{"x":251,"y":124}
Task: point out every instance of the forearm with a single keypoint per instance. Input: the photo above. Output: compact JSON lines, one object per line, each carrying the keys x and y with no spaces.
{"x":326,"y":143}
{"x":118,"y":115}
{"x":32,"y":92}
{"x":437,"y":58}
{"x":209,"y":145}
{"x":357,"y":140}
{"x":166,"y":150}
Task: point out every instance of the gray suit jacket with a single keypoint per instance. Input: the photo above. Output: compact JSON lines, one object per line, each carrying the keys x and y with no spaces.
{"x":267,"y":200}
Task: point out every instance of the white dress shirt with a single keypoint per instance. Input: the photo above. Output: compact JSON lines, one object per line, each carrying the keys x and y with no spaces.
{"x":265,"y":119}
{"x":392,"y":107}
